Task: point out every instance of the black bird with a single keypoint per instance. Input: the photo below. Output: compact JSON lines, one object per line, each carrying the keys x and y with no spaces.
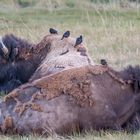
{"x":53,"y":31}
{"x":66,"y":35}
{"x":79,"y":40}
{"x":103,"y":62}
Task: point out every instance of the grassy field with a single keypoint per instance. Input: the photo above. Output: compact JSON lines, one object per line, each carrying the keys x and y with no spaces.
{"x":111,"y":31}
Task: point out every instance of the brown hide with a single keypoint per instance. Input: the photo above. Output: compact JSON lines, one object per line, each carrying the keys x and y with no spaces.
{"x":75,"y":99}
{"x":33,"y":53}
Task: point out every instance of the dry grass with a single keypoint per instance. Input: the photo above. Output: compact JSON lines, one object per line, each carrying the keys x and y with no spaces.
{"x":87,"y":136}
{"x":110,"y":31}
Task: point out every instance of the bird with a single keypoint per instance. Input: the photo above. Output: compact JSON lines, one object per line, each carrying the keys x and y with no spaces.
{"x":66,"y":35}
{"x":103,"y":62}
{"x":79,"y":40}
{"x":53,"y":31}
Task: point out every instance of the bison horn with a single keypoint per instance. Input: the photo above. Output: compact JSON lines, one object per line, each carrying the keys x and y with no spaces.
{"x":4,"y":48}
{"x":53,"y":31}
{"x":66,"y":35}
{"x":16,"y":51}
{"x":79,"y":40}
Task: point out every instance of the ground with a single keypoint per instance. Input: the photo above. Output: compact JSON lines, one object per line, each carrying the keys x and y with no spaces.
{"x":111,"y":31}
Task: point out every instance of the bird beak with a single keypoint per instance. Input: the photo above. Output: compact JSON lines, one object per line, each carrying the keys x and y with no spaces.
{"x":4,"y":48}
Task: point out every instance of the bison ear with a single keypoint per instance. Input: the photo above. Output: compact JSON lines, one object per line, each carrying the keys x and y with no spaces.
{"x":53,"y":31}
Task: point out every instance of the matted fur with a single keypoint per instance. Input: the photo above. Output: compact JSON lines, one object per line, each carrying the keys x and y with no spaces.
{"x":17,"y":67}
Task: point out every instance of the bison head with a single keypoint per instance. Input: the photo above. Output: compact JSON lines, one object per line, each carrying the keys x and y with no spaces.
{"x":64,"y":52}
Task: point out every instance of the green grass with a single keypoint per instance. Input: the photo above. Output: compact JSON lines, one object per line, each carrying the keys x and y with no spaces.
{"x":87,"y":136}
{"x":110,"y":31}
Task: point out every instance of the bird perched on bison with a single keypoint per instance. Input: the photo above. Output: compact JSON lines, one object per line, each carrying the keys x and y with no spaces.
{"x":66,"y":35}
{"x":53,"y":31}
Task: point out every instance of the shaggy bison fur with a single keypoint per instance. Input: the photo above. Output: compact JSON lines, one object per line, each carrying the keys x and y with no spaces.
{"x":20,"y":62}
{"x":76,"y":99}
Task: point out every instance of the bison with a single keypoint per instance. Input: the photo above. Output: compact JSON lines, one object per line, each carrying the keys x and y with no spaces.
{"x":18,"y":61}
{"x":82,"y":98}
{"x":64,"y":53}
{"x":67,"y":93}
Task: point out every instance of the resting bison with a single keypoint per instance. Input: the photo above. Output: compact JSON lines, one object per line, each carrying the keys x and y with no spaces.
{"x":82,"y":98}
{"x":18,"y":61}
{"x":64,"y":53}
{"x":67,"y":93}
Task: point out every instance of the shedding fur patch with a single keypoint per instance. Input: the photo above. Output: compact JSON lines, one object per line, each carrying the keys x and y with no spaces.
{"x":74,"y":82}
{"x":7,"y":123}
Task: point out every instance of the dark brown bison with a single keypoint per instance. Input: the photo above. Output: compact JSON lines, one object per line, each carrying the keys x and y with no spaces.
{"x":18,"y":61}
{"x":67,"y":93}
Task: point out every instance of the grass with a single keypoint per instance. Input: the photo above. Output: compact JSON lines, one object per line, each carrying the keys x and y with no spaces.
{"x":111,"y":31}
{"x":87,"y":136}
